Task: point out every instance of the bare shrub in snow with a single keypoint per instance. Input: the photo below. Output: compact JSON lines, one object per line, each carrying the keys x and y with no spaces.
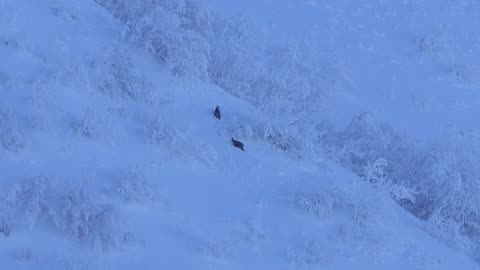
{"x":445,"y":191}
{"x":90,"y":124}
{"x":254,"y":231}
{"x":135,"y":187}
{"x":5,"y":228}
{"x":230,"y":52}
{"x":158,"y":131}
{"x":361,"y":142}
{"x":7,"y":213}
{"x":376,"y":173}
{"x":120,"y":80}
{"x":171,"y":31}
{"x":290,"y":138}
{"x":447,"y":180}
{"x":365,"y":206}
{"x":89,"y":221}
{"x":431,"y":44}
{"x":11,"y":138}
{"x":235,"y":63}
{"x":376,"y":153}
{"x":75,"y":213}
{"x":66,"y":15}
{"x":85,"y":127}
{"x":283,"y":141}
{"x":24,"y":204}
{"x":290,"y":80}
{"x":31,"y":200}
{"x":296,"y":81}
{"x":436,"y":184}
{"x":213,"y":250}
{"x":401,"y":193}
{"x":318,"y":204}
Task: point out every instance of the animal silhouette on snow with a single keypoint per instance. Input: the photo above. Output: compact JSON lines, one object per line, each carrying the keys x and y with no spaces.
{"x":216,"y":114}
{"x":238,"y":144}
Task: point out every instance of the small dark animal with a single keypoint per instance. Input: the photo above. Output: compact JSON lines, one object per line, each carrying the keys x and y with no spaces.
{"x":237,"y":144}
{"x":217,"y":113}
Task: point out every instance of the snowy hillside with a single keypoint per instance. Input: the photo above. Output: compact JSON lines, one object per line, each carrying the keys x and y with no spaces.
{"x":110,"y":157}
{"x":409,"y":62}
{"x":406,"y":73}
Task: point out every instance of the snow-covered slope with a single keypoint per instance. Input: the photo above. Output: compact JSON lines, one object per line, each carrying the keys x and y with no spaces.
{"x":108,"y":162}
{"x":408,"y":62}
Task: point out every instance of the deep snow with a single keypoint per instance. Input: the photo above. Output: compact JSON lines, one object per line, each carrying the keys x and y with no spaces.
{"x":409,"y":62}
{"x":166,"y":188}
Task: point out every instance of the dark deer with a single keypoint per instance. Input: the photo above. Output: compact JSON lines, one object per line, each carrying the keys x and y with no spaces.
{"x":216,"y":114}
{"x":237,"y":144}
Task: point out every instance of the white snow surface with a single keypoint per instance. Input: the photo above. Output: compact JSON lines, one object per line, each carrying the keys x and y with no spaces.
{"x":98,"y":180}
{"x":407,"y":62}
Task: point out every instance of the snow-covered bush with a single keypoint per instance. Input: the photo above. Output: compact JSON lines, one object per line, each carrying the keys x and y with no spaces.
{"x":361,"y":142}
{"x":368,"y":208}
{"x":445,"y":187}
{"x":89,"y":221}
{"x":214,"y":250}
{"x":31,"y":200}
{"x":296,"y":82}
{"x":76,"y":213}
{"x":7,"y":212}
{"x":437,"y":185}
{"x":302,"y":137}
{"x":24,"y":204}
{"x":158,"y":131}
{"x":236,"y":57}
{"x":88,"y":125}
{"x":376,"y":173}
{"x":135,"y":187}
{"x":115,"y":77}
{"x":291,"y":81}
{"x":431,"y":44}
{"x":296,"y":138}
{"x":11,"y":138}
{"x":5,"y":228}
{"x":93,"y":122}
{"x":319,"y":204}
{"x":169,"y":30}
{"x":374,"y":151}
{"x":283,"y":139}
{"x":230,"y":52}
{"x":460,"y":73}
